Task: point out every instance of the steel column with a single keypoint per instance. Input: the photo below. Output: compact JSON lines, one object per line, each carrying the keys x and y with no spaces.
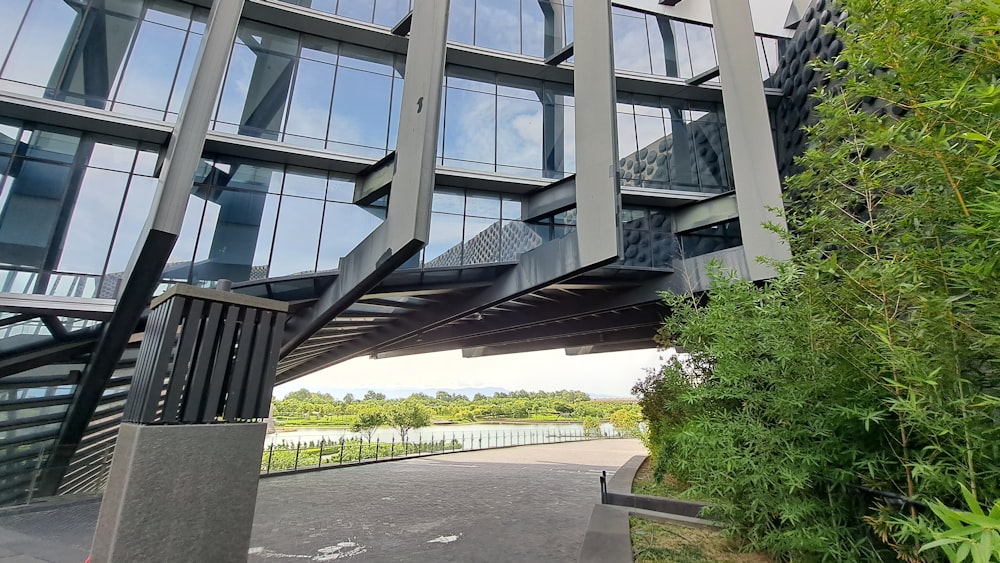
{"x":755,"y":167}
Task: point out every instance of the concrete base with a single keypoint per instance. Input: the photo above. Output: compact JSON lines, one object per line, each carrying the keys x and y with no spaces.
{"x":180,"y":493}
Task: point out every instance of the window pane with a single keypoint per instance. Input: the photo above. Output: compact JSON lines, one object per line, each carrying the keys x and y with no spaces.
{"x":344,"y":226}
{"x":31,"y":212}
{"x":97,"y":57}
{"x":360,"y":119}
{"x":519,"y":136}
{"x":39,"y":45}
{"x":668,"y":47}
{"x":357,"y":9}
{"x":533,"y":27}
{"x":702,"y":48}
{"x":133,"y":219}
{"x":184,"y":72}
{"x":179,"y":264}
{"x":92,"y":226}
{"x":448,"y":201}
{"x":469,"y":129}
{"x":150,"y":73}
{"x":305,"y":182}
{"x":296,"y":240}
{"x":445,"y":245}
{"x":112,"y":157}
{"x":482,"y":204}
{"x":498,"y":25}
{"x":462,"y":21}
{"x":340,"y":189}
{"x":631,"y":43}
{"x":13,"y":14}
{"x":389,"y":12}
{"x":235,"y":241}
{"x":309,"y":109}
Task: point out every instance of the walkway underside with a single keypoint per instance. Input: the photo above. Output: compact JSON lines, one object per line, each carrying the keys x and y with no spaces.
{"x":419,"y":311}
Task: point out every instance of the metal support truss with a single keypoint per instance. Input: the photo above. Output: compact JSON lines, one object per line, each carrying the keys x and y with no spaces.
{"x":595,"y":243}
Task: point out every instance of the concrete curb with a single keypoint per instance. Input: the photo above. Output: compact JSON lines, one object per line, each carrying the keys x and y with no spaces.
{"x":608,"y":538}
{"x":621,"y":481}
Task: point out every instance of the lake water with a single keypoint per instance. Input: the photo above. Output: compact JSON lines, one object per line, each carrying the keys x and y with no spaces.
{"x":471,"y":436}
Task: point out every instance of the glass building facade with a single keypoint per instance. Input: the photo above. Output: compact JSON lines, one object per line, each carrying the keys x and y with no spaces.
{"x":72,"y":203}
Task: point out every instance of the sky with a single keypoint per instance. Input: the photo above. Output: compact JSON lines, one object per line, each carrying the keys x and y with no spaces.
{"x":611,"y":374}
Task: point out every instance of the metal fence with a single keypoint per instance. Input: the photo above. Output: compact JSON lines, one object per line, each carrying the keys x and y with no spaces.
{"x":320,"y":454}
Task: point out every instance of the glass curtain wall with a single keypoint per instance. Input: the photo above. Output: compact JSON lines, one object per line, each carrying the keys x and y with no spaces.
{"x":309,"y":91}
{"x":129,"y":56}
{"x":470,"y":227}
{"x":670,"y":144}
{"x":249,"y":220}
{"x":662,"y":46}
{"x":385,"y":13}
{"x":507,"y":125}
{"x":72,"y":207}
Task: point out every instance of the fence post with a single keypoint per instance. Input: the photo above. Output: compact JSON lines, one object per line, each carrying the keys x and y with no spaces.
{"x":392,"y":448}
{"x":361,"y":444}
{"x":342,"y":442}
{"x":270,"y":454}
{"x":319,"y":461}
{"x":377,"y":440}
{"x":298,"y":448}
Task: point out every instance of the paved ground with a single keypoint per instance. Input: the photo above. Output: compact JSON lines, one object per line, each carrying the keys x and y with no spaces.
{"x":524,"y":504}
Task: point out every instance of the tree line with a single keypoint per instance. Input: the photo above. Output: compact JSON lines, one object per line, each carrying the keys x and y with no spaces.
{"x":518,"y":405}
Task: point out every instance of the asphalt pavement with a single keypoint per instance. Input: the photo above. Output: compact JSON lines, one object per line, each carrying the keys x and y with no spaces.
{"x":522,"y":504}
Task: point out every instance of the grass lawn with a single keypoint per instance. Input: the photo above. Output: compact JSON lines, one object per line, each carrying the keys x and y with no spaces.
{"x":644,"y":484}
{"x":656,"y":542}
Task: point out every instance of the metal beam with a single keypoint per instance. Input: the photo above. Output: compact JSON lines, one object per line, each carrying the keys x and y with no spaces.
{"x":568,"y":308}
{"x":29,"y":359}
{"x":651,"y":317}
{"x":755,"y":166}
{"x":74,"y":307}
{"x":554,"y":198}
{"x":705,"y":213}
{"x":560,"y":56}
{"x":407,"y":226}
{"x":166,"y":215}
{"x":634,"y":335}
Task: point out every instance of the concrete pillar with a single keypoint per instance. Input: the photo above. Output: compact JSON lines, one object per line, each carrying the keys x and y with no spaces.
{"x":183,"y":481}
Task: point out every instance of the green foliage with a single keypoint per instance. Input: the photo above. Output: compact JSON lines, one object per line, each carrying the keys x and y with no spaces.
{"x":627,"y":422}
{"x":368,"y":419}
{"x":591,"y":426}
{"x":406,"y":415}
{"x":373,"y":396}
{"x":871,"y":359}
{"x":973,"y":534}
{"x":753,"y":418}
{"x":305,"y":408}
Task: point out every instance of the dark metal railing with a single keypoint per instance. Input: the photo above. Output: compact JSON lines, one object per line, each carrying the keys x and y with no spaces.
{"x":312,"y":455}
